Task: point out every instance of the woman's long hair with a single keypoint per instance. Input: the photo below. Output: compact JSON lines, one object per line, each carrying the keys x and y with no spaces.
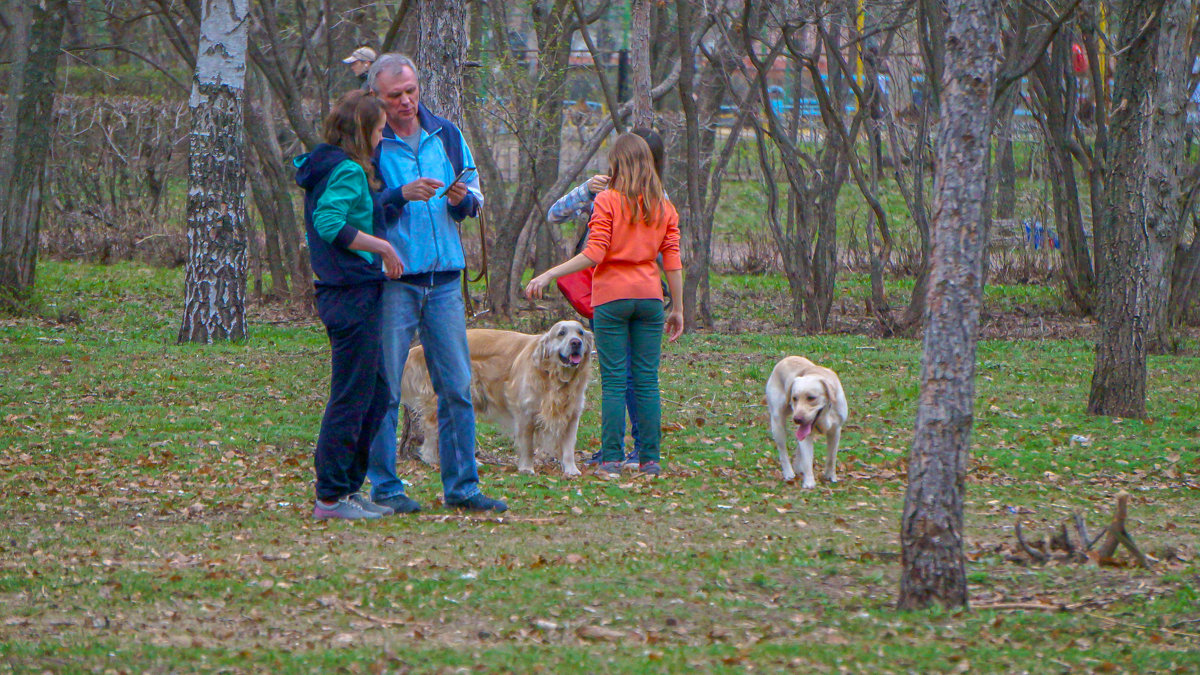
{"x":350,"y":125}
{"x":634,"y":174}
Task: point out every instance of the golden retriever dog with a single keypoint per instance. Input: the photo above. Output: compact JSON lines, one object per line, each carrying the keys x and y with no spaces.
{"x":810,"y":397}
{"x":532,"y":386}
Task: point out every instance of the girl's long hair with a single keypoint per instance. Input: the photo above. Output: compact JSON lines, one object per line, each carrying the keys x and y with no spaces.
{"x":634,"y":174}
{"x":350,"y":125}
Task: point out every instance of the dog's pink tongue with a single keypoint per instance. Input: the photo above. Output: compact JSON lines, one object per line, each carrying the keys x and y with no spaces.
{"x":803,"y":430}
{"x":576,"y":358}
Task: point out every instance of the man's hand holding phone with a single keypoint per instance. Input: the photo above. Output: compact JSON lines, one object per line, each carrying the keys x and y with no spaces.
{"x":456,"y":193}
{"x":457,"y":190}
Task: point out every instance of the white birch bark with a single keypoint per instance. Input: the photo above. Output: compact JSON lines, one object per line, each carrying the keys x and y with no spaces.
{"x":215,"y":291}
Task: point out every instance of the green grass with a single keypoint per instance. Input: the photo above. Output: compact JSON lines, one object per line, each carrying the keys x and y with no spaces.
{"x":157,"y":498}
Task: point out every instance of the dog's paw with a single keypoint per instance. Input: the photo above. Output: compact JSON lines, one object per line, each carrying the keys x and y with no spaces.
{"x":572,"y":472}
{"x":831,"y":477}
{"x":527,"y":470}
{"x":789,"y":477}
{"x":809,"y":484}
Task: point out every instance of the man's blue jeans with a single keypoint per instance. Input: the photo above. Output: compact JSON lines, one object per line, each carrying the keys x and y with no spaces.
{"x":437,"y":311}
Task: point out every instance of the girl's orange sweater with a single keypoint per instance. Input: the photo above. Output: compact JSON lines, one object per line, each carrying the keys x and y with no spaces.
{"x":625,"y":252}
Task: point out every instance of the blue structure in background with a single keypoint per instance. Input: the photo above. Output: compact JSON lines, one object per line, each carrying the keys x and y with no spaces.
{"x":1037,"y":235}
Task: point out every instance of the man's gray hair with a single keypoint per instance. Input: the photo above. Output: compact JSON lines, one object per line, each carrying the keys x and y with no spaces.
{"x":390,"y":64}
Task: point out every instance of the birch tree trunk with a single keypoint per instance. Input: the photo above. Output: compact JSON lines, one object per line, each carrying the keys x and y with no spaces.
{"x":441,"y":55}
{"x":215,"y":294}
{"x":1139,"y":228}
{"x":932,"y":527}
{"x":25,"y":139}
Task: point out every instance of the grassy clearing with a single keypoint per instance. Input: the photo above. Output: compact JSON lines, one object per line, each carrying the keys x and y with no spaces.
{"x":157,"y":503}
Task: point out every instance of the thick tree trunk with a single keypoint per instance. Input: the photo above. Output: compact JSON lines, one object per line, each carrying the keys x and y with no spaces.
{"x":913,"y":189}
{"x":270,"y":255}
{"x":25,"y":139}
{"x":1138,"y":230}
{"x":441,"y":55}
{"x":639,"y":47}
{"x":515,"y":216}
{"x":215,"y":293}
{"x":1185,"y":280}
{"x":931,"y":533}
{"x":1006,"y":173}
{"x":931,"y":25}
{"x":273,"y":187}
{"x":698,"y":231}
{"x":821,"y":207}
{"x":700,"y":99}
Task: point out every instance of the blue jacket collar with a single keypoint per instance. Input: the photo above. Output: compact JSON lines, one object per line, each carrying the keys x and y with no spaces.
{"x":430,"y":123}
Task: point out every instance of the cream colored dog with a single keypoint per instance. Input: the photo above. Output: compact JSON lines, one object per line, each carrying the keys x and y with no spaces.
{"x":532,"y":386}
{"x":809,"y":396}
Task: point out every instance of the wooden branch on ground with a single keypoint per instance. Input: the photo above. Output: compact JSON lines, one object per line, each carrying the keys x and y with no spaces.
{"x":485,"y":517}
{"x":371,"y":617}
{"x":1059,"y":541}
{"x":1081,"y":530}
{"x":1117,"y":535}
{"x":1113,"y":535}
{"x":1042,"y":606}
{"x":1135,"y":626}
{"x":1030,"y":551}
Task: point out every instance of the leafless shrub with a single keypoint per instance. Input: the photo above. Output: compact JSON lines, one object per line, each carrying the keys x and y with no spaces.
{"x":116,"y":173}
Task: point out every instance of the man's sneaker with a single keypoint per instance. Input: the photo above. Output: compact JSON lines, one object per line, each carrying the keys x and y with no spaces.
{"x":344,"y":509}
{"x":479,"y":502}
{"x":631,"y":461}
{"x":368,"y":505}
{"x":650,"y":468}
{"x":594,"y":459}
{"x":609,"y":470}
{"x":400,"y":503}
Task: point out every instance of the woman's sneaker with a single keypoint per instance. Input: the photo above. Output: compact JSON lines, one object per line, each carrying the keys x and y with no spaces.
{"x":650,"y":469}
{"x":368,"y":505}
{"x":609,"y":470}
{"x":631,"y":461}
{"x":343,"y":509}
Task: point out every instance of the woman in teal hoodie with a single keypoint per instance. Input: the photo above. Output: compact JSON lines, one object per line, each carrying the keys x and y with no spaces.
{"x":343,"y":217}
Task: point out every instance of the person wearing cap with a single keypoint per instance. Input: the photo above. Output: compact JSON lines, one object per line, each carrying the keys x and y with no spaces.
{"x":360,"y":61}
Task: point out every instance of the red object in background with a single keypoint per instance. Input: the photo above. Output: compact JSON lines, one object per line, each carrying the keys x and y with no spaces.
{"x":1079,"y":60}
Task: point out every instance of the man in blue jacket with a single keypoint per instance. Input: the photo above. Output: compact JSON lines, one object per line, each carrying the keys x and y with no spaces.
{"x":423,"y":153}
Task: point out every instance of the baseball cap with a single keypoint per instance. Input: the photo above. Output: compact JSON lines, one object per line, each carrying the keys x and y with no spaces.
{"x":361,"y":54}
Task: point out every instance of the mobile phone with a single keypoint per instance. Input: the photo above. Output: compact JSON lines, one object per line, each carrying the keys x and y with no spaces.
{"x":465,"y":174}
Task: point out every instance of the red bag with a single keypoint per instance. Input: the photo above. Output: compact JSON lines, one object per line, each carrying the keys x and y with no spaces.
{"x":576,"y":287}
